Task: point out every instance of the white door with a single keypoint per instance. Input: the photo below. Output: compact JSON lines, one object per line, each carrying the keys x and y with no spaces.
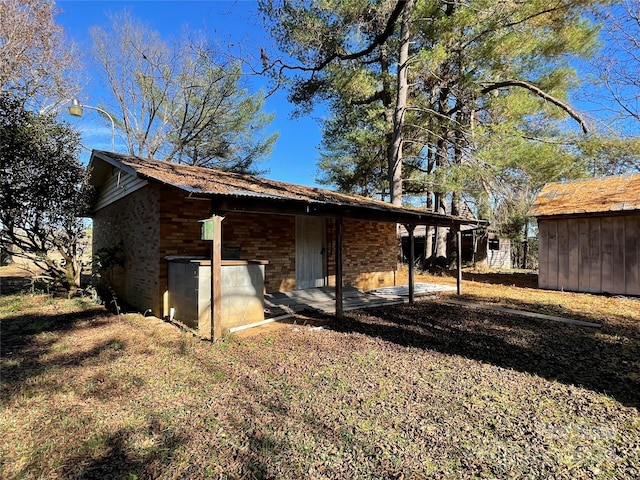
{"x":310,"y":251}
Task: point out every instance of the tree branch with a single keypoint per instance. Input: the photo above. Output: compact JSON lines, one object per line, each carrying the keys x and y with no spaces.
{"x":378,"y":40}
{"x":379,"y":95}
{"x":541,"y":93}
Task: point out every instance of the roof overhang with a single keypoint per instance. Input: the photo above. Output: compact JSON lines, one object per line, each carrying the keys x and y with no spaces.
{"x":227,"y":203}
{"x":255,"y":202}
{"x":578,"y":215}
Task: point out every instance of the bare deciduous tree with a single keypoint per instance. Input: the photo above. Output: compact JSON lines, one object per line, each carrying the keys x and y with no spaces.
{"x":176,"y":102}
{"x":620,"y":67}
{"x":36,"y":61}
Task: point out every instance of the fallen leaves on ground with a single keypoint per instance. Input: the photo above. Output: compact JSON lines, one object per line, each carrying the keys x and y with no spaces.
{"x":410,"y":391}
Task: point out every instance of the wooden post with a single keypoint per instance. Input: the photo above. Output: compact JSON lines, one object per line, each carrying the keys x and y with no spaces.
{"x":216,"y":274}
{"x":338,"y":259}
{"x":212,"y":230}
{"x":412,"y":256}
{"x":459,"y":246}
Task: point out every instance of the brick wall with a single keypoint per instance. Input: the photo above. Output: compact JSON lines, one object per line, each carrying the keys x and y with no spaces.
{"x":157,"y":221}
{"x":265,"y":237}
{"x":369,"y":249}
{"x":133,"y":223}
{"x":151,"y":223}
{"x":179,"y":218}
{"x":369,"y":253}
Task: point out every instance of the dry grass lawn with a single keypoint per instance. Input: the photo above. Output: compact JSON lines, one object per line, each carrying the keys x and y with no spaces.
{"x":410,"y":391}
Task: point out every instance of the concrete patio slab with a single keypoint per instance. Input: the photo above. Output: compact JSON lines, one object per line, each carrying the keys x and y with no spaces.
{"x":420,"y":289}
{"x":323,"y":300}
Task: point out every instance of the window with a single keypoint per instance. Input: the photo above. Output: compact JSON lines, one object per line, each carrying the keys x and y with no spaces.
{"x":494,"y":244}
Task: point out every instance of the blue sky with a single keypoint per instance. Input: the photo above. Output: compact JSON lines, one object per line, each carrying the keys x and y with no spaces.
{"x":237,"y":23}
{"x":229,"y":22}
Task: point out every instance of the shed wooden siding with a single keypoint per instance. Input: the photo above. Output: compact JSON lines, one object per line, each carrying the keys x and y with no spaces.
{"x":500,"y":258}
{"x":598,"y":254}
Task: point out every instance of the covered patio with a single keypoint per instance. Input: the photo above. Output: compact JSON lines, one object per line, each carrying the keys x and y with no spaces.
{"x":283,"y":305}
{"x":185,"y":232}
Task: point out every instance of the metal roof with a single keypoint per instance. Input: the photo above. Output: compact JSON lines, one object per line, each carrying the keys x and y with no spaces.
{"x":609,"y":194}
{"x":249,"y":193}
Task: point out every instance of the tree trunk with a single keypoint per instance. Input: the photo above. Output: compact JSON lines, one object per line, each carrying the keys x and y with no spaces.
{"x":428,"y":247}
{"x":441,"y":237}
{"x":395,"y":162}
{"x":389,"y":119}
{"x":441,"y":247}
{"x":72,"y":273}
{"x":452,"y":247}
{"x":525,"y":244}
{"x":73,"y":277}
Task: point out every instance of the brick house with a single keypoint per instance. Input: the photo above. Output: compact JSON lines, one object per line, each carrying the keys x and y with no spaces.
{"x":589,"y":235}
{"x":153,"y":211}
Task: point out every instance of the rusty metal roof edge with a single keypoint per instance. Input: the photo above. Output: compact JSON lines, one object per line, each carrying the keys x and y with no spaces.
{"x":370,"y":204}
{"x":383,"y":208}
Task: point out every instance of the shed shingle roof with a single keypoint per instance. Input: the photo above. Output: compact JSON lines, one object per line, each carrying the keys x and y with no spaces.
{"x":610,"y":194}
{"x":210,"y":182}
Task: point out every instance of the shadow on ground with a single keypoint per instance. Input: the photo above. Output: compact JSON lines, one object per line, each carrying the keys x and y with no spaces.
{"x":30,"y":349}
{"x":515,"y":279}
{"x":117,"y":458}
{"x":603,"y":360}
{"x":27,"y":338}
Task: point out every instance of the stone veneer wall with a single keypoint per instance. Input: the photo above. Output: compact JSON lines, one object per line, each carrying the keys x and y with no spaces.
{"x":265,"y":237}
{"x":133,"y":223}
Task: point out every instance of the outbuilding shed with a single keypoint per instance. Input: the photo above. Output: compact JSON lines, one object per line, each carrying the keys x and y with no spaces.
{"x":481,"y":246}
{"x":223,"y":238}
{"x":589,"y":235}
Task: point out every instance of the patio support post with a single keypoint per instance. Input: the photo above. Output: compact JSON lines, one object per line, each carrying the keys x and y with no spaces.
{"x":459,"y":262}
{"x":338,"y":259}
{"x":412,"y":256}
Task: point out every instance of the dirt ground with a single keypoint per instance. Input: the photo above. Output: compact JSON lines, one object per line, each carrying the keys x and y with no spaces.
{"x":428,"y":390}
